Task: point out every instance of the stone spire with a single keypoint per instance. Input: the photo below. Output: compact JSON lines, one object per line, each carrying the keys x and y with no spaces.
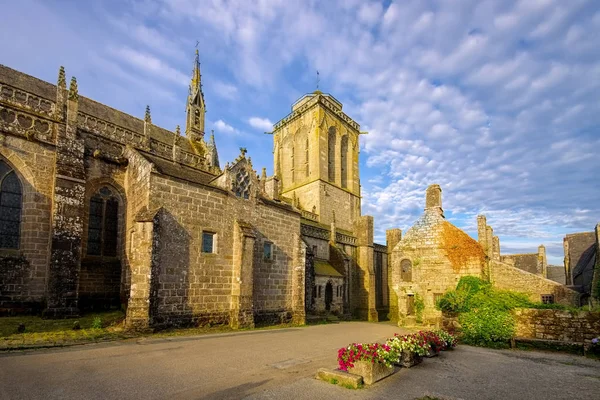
{"x":212,"y":153}
{"x":73,"y":91}
{"x":195,"y":105}
{"x":62,"y":80}
{"x":147,"y":116}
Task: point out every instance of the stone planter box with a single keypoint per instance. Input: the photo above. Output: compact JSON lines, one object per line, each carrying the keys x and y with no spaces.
{"x":432,"y":353}
{"x":409,"y":359}
{"x":370,"y":372}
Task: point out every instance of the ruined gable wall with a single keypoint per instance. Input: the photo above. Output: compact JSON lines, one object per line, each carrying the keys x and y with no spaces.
{"x":526,"y":262}
{"x":505,"y":276}
{"x":433,"y":272}
{"x":23,"y":272}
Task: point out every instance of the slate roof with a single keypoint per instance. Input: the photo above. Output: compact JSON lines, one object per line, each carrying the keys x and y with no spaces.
{"x":323,"y":268}
{"x":176,"y":170}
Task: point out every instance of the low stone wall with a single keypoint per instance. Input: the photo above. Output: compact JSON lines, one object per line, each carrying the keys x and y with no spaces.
{"x":579,"y":327}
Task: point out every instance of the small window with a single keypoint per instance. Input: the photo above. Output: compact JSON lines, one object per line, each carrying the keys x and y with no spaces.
{"x":406,"y":270}
{"x":319,"y":291}
{"x":314,"y":249}
{"x":268,"y":251}
{"x":208,"y":242}
{"x":548,"y":298}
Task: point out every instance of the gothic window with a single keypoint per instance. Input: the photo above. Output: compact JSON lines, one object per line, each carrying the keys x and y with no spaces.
{"x":103,"y":224}
{"x":11,"y":195}
{"x":406,"y":270}
{"x":306,"y":158}
{"x":331,"y":154}
{"x":241,"y":184}
{"x":344,"y":160}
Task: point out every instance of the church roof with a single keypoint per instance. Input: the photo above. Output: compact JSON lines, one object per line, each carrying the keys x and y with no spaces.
{"x":176,"y":170}
{"x":323,"y":268}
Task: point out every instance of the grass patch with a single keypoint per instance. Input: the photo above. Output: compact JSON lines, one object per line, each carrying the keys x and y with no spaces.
{"x":35,"y":324}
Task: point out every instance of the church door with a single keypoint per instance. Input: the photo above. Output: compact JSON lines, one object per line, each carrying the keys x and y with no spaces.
{"x":328,"y":295}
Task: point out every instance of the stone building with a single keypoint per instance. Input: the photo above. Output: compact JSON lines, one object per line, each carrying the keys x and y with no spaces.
{"x":582,"y":262}
{"x":100,"y":209}
{"x":434,"y":254}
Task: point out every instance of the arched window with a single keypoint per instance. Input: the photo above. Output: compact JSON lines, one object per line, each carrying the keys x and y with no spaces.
{"x":103,"y":224}
{"x":344,"y":160}
{"x":331,"y":154}
{"x":306,"y":158}
{"x":11,"y":195}
{"x":406,"y":270}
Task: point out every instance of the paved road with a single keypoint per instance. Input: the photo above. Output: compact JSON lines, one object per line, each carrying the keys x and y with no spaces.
{"x":230,"y":365}
{"x":279,"y":364}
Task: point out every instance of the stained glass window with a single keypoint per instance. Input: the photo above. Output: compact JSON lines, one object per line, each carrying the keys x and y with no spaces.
{"x":103,"y":224}
{"x":10,"y":207}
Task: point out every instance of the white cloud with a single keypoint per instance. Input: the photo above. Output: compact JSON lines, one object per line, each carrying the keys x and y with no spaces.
{"x":224,"y":89}
{"x":261,"y":123}
{"x":150,"y":64}
{"x":224,"y":127}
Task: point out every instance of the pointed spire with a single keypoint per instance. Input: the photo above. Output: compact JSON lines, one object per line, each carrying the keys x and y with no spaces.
{"x":263,"y":175}
{"x":62,"y":80}
{"x":177,"y":131}
{"x":196,"y":83}
{"x":148,"y":117}
{"x":212,"y":137}
{"x":73,"y":92}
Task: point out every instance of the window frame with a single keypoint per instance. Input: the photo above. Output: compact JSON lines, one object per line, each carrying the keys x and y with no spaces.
{"x":114,"y":234}
{"x":19,"y":221}
{"x":548,"y":298}
{"x":213,"y":236}
{"x":271,"y":247}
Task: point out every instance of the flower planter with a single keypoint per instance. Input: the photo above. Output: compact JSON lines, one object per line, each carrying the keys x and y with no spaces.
{"x":371,"y":372}
{"x":409,"y":359}
{"x":432,"y":353}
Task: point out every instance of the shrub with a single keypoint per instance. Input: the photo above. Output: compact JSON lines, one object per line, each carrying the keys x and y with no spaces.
{"x":487,"y":326}
{"x":419,"y":307}
{"x":97,"y":323}
{"x":452,"y":301}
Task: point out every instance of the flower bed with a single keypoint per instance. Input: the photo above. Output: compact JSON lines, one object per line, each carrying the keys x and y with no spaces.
{"x":375,"y":361}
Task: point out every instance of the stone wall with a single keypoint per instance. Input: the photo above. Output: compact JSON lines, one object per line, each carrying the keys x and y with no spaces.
{"x":196,"y":287}
{"x":526,"y":262}
{"x":504,"y":276}
{"x":23,"y":272}
{"x":562,"y":325}
{"x":429,"y":260}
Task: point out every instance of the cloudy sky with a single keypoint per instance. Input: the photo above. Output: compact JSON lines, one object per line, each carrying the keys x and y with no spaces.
{"x":496,"y":101}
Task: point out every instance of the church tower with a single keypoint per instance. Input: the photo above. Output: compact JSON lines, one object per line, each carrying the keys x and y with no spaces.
{"x":316,"y":160}
{"x":195,"y":109}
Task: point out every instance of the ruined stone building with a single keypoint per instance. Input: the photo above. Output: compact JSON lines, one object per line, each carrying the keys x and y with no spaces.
{"x":582,"y":263}
{"x":100,"y":209}
{"x":434,"y":254}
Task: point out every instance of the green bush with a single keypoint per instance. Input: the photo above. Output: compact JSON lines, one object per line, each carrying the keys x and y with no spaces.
{"x":487,"y":327}
{"x":97,"y":323}
{"x":472,"y":284}
{"x":452,"y":301}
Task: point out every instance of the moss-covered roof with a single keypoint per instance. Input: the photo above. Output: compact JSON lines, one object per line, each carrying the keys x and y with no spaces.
{"x":324,"y":268}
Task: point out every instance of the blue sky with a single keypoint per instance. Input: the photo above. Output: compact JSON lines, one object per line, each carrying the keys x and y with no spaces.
{"x":496,"y":101}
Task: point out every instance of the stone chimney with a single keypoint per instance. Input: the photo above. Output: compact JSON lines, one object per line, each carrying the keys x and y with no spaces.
{"x":496,"y":248}
{"x":392,"y":238}
{"x":272,"y":187}
{"x":542,"y":267}
{"x":433,"y":199}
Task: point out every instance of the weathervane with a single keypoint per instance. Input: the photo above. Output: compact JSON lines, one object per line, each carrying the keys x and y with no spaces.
{"x":317,"y":79}
{"x":197,"y":43}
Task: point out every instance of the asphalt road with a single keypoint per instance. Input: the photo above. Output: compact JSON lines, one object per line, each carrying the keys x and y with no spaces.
{"x":280,"y":364}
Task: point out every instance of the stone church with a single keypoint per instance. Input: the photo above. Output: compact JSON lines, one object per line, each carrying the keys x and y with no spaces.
{"x":100,"y":210}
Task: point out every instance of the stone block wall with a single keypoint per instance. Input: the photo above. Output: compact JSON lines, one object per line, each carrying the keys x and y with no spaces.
{"x":438,"y":254}
{"x":196,"y":287}
{"x":23,"y":272}
{"x":505,"y":276}
{"x":578,"y":327}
